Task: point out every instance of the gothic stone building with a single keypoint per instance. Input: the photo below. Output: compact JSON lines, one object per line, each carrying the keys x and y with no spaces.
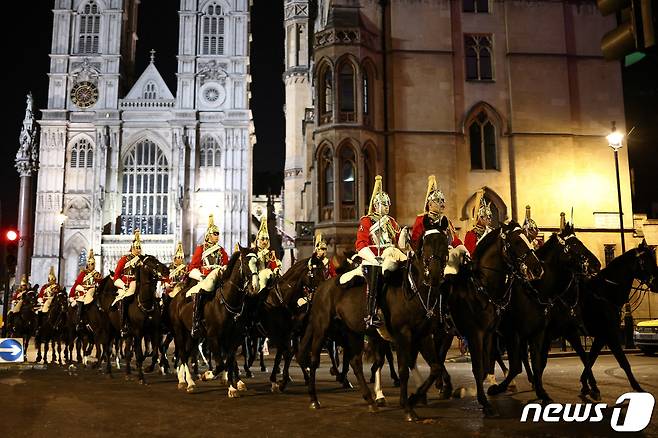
{"x":511,"y":96}
{"x":118,"y":155}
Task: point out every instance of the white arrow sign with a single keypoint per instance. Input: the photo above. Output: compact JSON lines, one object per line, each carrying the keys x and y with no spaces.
{"x":13,"y":350}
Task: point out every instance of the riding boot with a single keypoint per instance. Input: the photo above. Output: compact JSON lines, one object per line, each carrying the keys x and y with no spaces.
{"x":78,"y":317}
{"x":123,"y":315}
{"x":373,"y":276}
{"x":197,"y":315}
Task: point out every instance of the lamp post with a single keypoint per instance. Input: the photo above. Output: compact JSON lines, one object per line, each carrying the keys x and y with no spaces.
{"x":61,"y":218}
{"x":615,"y":140}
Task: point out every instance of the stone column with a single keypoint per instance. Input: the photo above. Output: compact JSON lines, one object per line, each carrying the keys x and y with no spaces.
{"x":27,"y":165}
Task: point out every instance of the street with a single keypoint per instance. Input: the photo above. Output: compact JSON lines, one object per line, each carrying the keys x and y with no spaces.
{"x":53,"y":403}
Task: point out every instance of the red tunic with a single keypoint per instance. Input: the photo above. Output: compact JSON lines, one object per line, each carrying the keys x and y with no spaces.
{"x":364,"y":239}
{"x":418,"y":231}
{"x":118,"y":272}
{"x":17,"y":294}
{"x":78,"y":281}
{"x":197,"y":261}
{"x":470,"y":241}
{"x":42,"y":292}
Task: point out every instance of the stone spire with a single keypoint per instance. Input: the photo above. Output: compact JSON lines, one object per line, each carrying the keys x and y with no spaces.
{"x":27,"y":155}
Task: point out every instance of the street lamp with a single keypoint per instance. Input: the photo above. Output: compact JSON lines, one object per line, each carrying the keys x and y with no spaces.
{"x":61,"y":218}
{"x":615,"y":141}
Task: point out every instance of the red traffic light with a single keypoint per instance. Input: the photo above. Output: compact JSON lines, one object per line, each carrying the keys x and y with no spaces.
{"x":12,"y":235}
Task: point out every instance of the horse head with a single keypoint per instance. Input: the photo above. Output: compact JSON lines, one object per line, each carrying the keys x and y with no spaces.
{"x":29,"y":298}
{"x":57,"y":308}
{"x":575,"y":254}
{"x":519,"y":253}
{"x":237,"y":273}
{"x":645,"y":268}
{"x":313,"y":275}
{"x":433,"y":254}
{"x":154,"y":267}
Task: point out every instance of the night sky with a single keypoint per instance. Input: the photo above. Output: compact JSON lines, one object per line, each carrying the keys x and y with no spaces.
{"x":27,"y":36}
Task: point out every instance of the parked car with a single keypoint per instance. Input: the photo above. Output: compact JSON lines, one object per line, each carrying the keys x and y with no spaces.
{"x":645,"y":336}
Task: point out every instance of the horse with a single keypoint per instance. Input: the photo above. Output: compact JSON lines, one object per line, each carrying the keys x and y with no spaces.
{"x":278,"y":313}
{"x":24,"y":323}
{"x":604,"y":296}
{"x":478,"y":296}
{"x":564,"y":258}
{"x":144,"y":313}
{"x":224,"y":322}
{"x":52,"y":327}
{"x":97,"y":316}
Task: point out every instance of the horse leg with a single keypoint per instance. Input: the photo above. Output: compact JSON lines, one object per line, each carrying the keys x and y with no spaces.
{"x":285,"y":378}
{"x":514,"y":358}
{"x":618,"y":352}
{"x":38,"y":343}
{"x":139,"y":358}
{"x":587,"y":379}
{"x":404,"y":356}
{"x":523,"y":352}
{"x":378,"y":363}
{"x":478,"y":361}
{"x":231,"y":363}
{"x":437,"y":369}
{"x":277,"y":361}
{"x":391,"y":364}
{"x":538,"y":356}
{"x":261,"y":343}
{"x":128,"y":353}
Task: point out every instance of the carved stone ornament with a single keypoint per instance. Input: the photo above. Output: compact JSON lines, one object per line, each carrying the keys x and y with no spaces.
{"x":85,"y":71}
{"x":27,"y":156}
{"x":212,"y":71}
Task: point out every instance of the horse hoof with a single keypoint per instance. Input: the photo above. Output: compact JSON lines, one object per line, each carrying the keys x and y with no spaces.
{"x":445,"y":394}
{"x":380,"y":402}
{"x":459,"y":393}
{"x":410,"y":417}
{"x":275,"y":388}
{"x":263,"y":369}
{"x":373,"y":409}
{"x":191,"y":389}
{"x":414,"y":399}
{"x":396,"y":383}
{"x":233,"y":393}
{"x":248,"y":374}
{"x":494,"y":390}
{"x":241,"y":386}
{"x":334,"y":372}
{"x":596,"y":395}
{"x":347,"y":384}
{"x":141,"y":382}
{"x":182,"y":386}
{"x":490,"y":412}
{"x":315,"y":405}
{"x":546,"y":400}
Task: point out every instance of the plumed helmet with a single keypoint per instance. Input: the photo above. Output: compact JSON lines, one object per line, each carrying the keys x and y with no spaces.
{"x":263,"y":233}
{"x":433,"y":193}
{"x":24,"y":281}
{"x":212,"y":228}
{"x":530,"y":227}
{"x":51,"y":275}
{"x":483,"y":207}
{"x":563,"y":221}
{"x":137,"y":241}
{"x":91,"y":261}
{"x":179,"y":254}
{"x":379,"y":196}
{"x":320,"y":243}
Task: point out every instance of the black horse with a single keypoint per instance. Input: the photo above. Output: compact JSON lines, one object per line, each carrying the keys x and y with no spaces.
{"x":97,"y":316}
{"x":604,"y":296}
{"x":280,"y":314}
{"x":224,"y":322}
{"x":479,"y":295}
{"x":24,"y":323}
{"x":525,"y":324}
{"x":52,"y":327}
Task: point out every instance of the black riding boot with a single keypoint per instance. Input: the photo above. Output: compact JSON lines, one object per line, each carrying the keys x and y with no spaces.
{"x":197,"y":316}
{"x":373,"y":279}
{"x":78,"y":317}
{"x":123,"y":316}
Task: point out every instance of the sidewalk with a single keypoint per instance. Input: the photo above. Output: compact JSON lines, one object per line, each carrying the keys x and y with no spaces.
{"x":455,"y":356}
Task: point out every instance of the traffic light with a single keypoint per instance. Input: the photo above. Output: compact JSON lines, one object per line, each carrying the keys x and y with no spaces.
{"x":11,"y":236}
{"x":635,"y":31}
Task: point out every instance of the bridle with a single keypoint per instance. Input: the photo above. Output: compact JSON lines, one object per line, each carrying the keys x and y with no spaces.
{"x":427,"y":303}
{"x":516,"y":263}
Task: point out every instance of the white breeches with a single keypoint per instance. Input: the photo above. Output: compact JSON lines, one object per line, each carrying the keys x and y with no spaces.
{"x":46,"y":305}
{"x":207,"y":284}
{"x":123,"y":293}
{"x":16,"y":307}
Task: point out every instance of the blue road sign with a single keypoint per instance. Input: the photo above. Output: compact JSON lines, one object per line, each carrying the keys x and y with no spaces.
{"x":11,"y":350}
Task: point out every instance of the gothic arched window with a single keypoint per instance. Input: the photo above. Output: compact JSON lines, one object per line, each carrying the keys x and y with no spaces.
{"x":145,"y":190}
{"x":482,"y":139}
{"x":348,"y":183}
{"x":369,"y":171}
{"x":326,"y":185}
{"x":479,"y":57}
{"x":82,"y":153}
{"x":89,"y":27}
{"x":325,"y":94}
{"x":346,"y":102}
{"x":149,"y":91}
{"x":367,"y":76}
{"x":209,"y":153}
{"x":212,"y":30}
{"x":476,"y":6}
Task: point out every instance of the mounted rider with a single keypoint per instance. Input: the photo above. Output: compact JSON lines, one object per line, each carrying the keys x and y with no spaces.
{"x":84,"y":286}
{"x":482,"y":225}
{"x":321,"y":254}
{"x":430,"y":219}
{"x":207,"y":265}
{"x":48,"y":291}
{"x":263,"y":264}
{"x":177,"y":271}
{"x":530,"y":228}
{"x":124,"y":279}
{"x":376,"y":243}
{"x":17,"y":297}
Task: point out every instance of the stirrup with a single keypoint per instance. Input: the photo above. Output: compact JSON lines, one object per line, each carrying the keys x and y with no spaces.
{"x":373,"y":321}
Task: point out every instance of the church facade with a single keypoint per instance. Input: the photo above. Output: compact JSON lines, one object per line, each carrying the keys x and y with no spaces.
{"x":510,"y":96}
{"x":119,"y":154}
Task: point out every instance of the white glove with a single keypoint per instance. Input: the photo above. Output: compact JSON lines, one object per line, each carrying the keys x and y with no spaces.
{"x":79,"y":287}
{"x":367,"y":255}
{"x":254,"y":282}
{"x":196,"y":274}
{"x":119,"y":283}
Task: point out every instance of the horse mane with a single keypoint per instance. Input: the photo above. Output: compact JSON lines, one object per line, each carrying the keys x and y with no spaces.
{"x":618,"y":261}
{"x":296,"y":268}
{"x":231,"y":264}
{"x":485,"y":243}
{"x":547,"y":247}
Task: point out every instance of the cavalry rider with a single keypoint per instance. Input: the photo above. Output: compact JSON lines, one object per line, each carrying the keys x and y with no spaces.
{"x":481,"y":227}
{"x":48,"y":291}
{"x":208,"y":263}
{"x":17,"y":297}
{"x":530,"y":228}
{"x":264,"y":263}
{"x":84,"y":286}
{"x":124,"y":276}
{"x":177,"y":269}
{"x":435,"y":204}
{"x":321,"y":254}
{"x":376,"y":241}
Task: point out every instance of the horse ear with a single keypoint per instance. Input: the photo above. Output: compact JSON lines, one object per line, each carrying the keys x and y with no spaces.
{"x":111,"y":273}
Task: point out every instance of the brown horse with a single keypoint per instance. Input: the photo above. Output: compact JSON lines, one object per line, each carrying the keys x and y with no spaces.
{"x":24,"y":323}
